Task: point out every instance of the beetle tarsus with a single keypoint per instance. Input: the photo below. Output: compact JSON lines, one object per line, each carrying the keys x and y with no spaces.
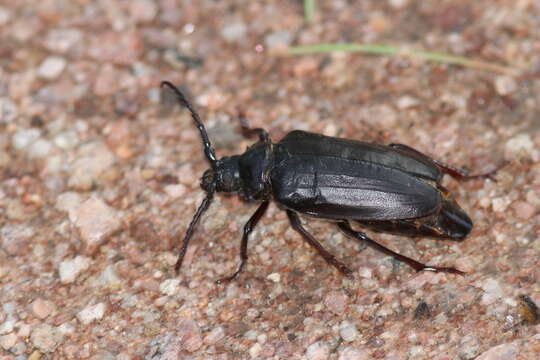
{"x":248,"y":228}
{"x":449,"y":270}
{"x":331,"y":259}
{"x":418,"y":266}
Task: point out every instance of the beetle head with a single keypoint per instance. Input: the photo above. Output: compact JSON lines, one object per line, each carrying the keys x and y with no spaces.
{"x":225,"y":177}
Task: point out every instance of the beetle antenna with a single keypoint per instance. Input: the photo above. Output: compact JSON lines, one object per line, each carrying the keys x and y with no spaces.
{"x":208,"y":149}
{"x":192,"y":225}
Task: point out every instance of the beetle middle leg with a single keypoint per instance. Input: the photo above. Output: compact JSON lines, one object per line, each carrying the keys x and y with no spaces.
{"x":346,"y":228}
{"x":248,"y":228}
{"x":454,"y":172}
{"x":331,"y":259}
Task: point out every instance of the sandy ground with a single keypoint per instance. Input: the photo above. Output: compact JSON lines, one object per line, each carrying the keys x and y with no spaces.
{"x":99,"y":178}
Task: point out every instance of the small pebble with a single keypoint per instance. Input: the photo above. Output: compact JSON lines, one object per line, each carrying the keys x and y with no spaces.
{"x":348,"y":331}
{"x":5,"y":15}
{"x":406,"y":102}
{"x":318,"y":351}
{"x":520,"y":146}
{"x":8,"y":341}
{"x":46,"y":338}
{"x":40,"y":149}
{"x":96,"y":221}
{"x":109,"y":278}
{"x":15,"y":237}
{"x":275,"y":277}
{"x":492,"y":291}
{"x":7,"y":326}
{"x":500,"y":352}
{"x":175,"y":190}
{"x":336,"y":302}
{"x":523,"y":210}
{"x":70,"y":269}
{"x":69,"y":202}
{"x":505,"y":85}
{"x":143,"y":10}
{"x":215,"y":335}
{"x":23,"y":138}
{"x":190,"y":335}
{"x":66,"y":139}
{"x":278,"y":40}
{"x":234,"y":32}
{"x":92,"y":313}
{"x":500,"y":204}
{"x":62,"y":40}
{"x":352,"y":353}
{"x":51,"y":67}
{"x":170,"y":287}
{"x":255,"y":350}
{"x":8,"y":110}
{"x":91,"y":161}
{"x":42,"y":308}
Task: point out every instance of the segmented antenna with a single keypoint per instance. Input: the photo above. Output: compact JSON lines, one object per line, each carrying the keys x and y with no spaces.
{"x":192,"y":225}
{"x":208,"y":149}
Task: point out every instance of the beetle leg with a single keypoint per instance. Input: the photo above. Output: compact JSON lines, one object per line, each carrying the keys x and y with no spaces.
{"x":248,"y":228}
{"x":346,"y":228}
{"x":331,"y":259}
{"x":248,"y":132}
{"x":454,"y":172}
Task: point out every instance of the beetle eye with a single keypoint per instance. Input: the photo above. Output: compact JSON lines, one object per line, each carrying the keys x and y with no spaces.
{"x":208,"y":181}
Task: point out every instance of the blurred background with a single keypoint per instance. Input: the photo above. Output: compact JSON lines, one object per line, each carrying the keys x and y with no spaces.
{"x":99,"y":177}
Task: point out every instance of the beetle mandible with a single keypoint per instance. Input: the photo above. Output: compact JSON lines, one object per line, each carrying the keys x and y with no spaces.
{"x":393,"y":188}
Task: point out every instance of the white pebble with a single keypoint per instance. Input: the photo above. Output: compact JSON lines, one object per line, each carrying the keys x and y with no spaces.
{"x":505,"y":85}
{"x":51,"y":67}
{"x":40,"y":149}
{"x":69,"y":202}
{"x":92,"y":313}
{"x":275,"y":277}
{"x":170,"y":287}
{"x":234,"y":32}
{"x":23,"y":138}
{"x":66,"y":139}
{"x":278,"y":39}
{"x":492,"y":291}
{"x":70,"y":269}
{"x":348,"y":331}
{"x":318,"y":351}
{"x":5,"y":15}
{"x":520,"y":145}
{"x":7,"y":326}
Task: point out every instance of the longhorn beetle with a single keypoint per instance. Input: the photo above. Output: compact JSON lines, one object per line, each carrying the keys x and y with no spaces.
{"x":393,"y":188}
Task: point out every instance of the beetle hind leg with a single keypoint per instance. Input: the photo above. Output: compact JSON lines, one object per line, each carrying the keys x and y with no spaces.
{"x":330,"y":259}
{"x":248,"y":228}
{"x":346,"y":228}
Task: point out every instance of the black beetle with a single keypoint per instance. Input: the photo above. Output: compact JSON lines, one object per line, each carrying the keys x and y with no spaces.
{"x":393,"y":188}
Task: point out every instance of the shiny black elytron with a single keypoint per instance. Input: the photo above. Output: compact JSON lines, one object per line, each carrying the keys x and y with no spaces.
{"x":391,"y":188}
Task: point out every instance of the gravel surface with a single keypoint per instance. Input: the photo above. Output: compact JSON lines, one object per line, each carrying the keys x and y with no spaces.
{"x":99,"y":178}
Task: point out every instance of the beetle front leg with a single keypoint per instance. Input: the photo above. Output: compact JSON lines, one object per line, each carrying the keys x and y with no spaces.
{"x":248,"y":228}
{"x":454,"y":172}
{"x":331,"y":259}
{"x":346,"y":228}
